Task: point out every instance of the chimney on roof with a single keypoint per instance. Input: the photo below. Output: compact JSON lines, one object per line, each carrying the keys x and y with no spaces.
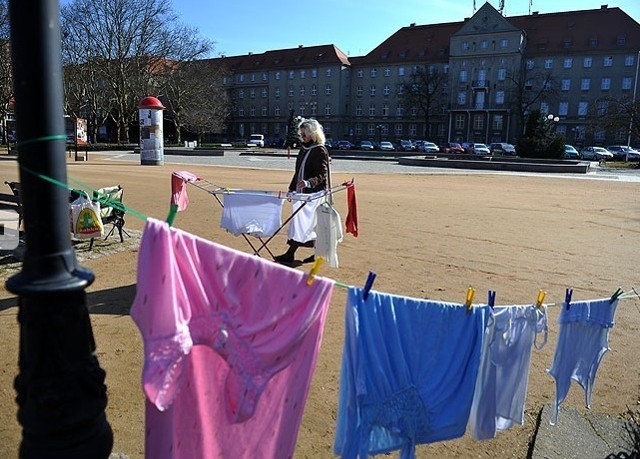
{"x":413,"y":24}
{"x":603,"y":7}
{"x":250,"y":53}
{"x":535,"y":13}
{"x":300,"y":46}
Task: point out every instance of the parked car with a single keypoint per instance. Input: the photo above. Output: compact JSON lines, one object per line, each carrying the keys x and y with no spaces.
{"x":344,"y":145}
{"x":570,"y":152}
{"x":257,"y":140}
{"x":620,"y":152}
{"x":501,"y":148}
{"x":451,"y":147}
{"x":595,"y":153}
{"x":385,"y":145}
{"x":406,"y":145}
{"x":480,"y":149}
{"x":429,"y":147}
{"x":366,"y":145}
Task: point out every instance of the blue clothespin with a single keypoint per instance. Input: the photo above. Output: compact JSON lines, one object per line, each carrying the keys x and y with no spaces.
{"x":567,"y":297}
{"x":492,"y":298}
{"x":367,"y":286}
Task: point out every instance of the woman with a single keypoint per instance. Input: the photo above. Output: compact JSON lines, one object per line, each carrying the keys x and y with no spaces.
{"x":310,"y":176}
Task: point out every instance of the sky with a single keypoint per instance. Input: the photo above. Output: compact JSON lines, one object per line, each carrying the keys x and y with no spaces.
{"x":355,"y":26}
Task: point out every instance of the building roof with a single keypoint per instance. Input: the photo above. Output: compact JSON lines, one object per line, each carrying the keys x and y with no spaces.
{"x":302,"y":56}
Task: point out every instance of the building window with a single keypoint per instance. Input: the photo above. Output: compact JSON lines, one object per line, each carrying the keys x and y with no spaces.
{"x":414,"y":111}
{"x":314,"y":73}
{"x":265,"y":76}
{"x":387,"y":90}
{"x":277,"y":75}
{"x":292,"y":74}
{"x":302,"y":91}
{"x":371,"y":130}
{"x":607,"y":61}
{"x":241,"y":111}
{"x":593,"y":42}
{"x":399,"y":110}
{"x":504,"y":43}
{"x":400,"y":90}
{"x":502,"y":74}
{"x":374,"y":73}
{"x":358,"y":110}
{"x":465,"y":46}
{"x":484,"y":44}
{"x":276,"y":110}
{"x":626,"y":83}
{"x":544,"y":107}
{"x":563,"y":108}
{"x":587,"y":62}
{"x":606,"y":84}
{"x":277,"y":94}
{"x":241,"y":94}
{"x":327,"y":90}
{"x":602,"y":107}
{"x":360,"y":73}
{"x":622,"y":40}
{"x":445,"y":69}
{"x":499,"y":97}
{"x":241,"y":78}
{"x":252,"y":93}
{"x":599,"y":136}
{"x":253,"y":77}
{"x":358,"y":129}
{"x":327,"y":109}
{"x":303,"y":73}
{"x":264,"y":111}
{"x":359,"y":91}
{"x":462,"y":98}
{"x":459,"y":122}
{"x":314,"y":90}
{"x":372,"y":110}
{"x":583,"y":108}
{"x":528,"y":84}
{"x":385,"y":109}
{"x":413,"y":129}
{"x":497,"y":121}
{"x":565,"y":85}
{"x":478,"y":121}
{"x":252,"y":111}
{"x":313,"y":109}
{"x":568,"y":62}
{"x":398,"y":130}
{"x":585,"y":84}
{"x":290,"y":91}
{"x":548,"y":63}
{"x":547,"y":85}
{"x":463,"y":76}
{"x":530,"y":64}
{"x":264,"y":93}
{"x":400,"y":71}
{"x":372,"y":90}
{"x":629,"y":60}
{"x":328,"y":72}
{"x":387,"y":72}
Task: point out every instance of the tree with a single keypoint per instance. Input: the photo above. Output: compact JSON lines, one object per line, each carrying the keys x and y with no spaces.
{"x":128,"y":41}
{"x":424,"y":91}
{"x":540,"y":139}
{"x":529,"y":88}
{"x":6,"y":78}
{"x":293,"y":134}
{"x":620,"y":115}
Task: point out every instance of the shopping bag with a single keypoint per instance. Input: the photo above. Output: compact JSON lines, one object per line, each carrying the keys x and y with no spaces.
{"x":85,"y":217}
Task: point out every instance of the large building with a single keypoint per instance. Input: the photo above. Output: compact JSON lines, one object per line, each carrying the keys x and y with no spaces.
{"x":482,"y":76}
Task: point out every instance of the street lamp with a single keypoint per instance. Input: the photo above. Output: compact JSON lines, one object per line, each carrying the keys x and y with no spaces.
{"x":555,"y":119}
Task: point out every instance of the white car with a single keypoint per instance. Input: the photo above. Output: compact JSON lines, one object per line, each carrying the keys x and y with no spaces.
{"x":596,"y":153}
{"x":257,"y":140}
{"x":480,"y":149}
{"x":386,"y":146}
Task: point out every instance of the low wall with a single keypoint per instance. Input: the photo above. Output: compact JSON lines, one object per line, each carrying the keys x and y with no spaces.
{"x":499,"y":164}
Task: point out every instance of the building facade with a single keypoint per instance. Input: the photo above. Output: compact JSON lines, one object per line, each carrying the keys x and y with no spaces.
{"x":493,"y":70}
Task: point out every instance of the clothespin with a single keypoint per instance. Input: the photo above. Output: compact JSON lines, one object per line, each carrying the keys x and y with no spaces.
{"x":469,"y":299}
{"x":540,"y":299}
{"x":615,"y":296}
{"x":492,"y":298}
{"x":367,"y":286}
{"x":173,"y":210}
{"x":567,"y":297}
{"x":314,"y":270}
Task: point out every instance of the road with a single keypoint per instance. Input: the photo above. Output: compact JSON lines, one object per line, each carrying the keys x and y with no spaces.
{"x":369,"y":166}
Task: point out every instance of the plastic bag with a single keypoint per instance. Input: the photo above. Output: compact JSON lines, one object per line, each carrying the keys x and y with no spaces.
{"x":85,"y":218}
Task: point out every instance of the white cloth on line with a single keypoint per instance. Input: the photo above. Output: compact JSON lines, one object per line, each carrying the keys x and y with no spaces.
{"x":301,"y":226}
{"x":259,"y":215}
{"x":329,"y":233}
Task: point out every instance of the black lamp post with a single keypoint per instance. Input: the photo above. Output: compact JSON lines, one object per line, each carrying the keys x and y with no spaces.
{"x":60,"y":387}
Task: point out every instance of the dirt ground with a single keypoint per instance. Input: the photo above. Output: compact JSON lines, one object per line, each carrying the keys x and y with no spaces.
{"x":425,"y":236}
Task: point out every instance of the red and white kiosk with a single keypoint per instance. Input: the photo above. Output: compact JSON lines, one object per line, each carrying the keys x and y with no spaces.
{"x":151,"y":134}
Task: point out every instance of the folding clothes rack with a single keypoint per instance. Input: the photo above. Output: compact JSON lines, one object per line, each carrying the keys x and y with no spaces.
{"x":216,"y":191}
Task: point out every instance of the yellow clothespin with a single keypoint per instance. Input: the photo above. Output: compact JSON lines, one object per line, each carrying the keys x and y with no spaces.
{"x":314,"y":270}
{"x":540,"y":299}
{"x":469,"y":299}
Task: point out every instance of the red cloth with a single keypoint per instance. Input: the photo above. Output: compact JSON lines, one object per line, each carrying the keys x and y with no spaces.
{"x":351,"y":222}
{"x":179,"y":181}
